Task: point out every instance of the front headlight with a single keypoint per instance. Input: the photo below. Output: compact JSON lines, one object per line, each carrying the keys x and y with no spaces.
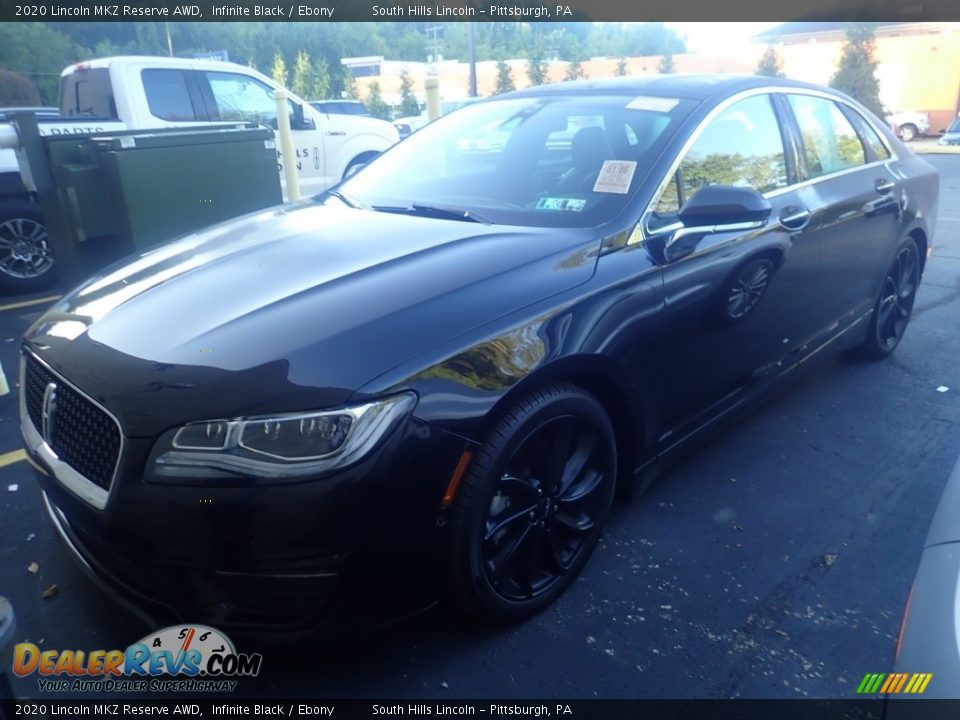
{"x":279,"y":446}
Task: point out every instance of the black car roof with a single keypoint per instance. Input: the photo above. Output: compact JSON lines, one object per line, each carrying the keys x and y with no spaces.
{"x":691,"y":87}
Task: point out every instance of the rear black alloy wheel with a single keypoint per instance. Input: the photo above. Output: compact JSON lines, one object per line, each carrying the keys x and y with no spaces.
{"x":533,"y":504}
{"x":895,"y":303}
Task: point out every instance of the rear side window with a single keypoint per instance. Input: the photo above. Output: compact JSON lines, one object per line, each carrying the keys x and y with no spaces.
{"x":88,"y":93}
{"x":742,"y":146}
{"x":830,"y":143}
{"x":869,"y":136}
{"x":167,"y":95}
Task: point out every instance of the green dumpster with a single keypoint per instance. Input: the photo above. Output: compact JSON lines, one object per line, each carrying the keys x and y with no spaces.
{"x":162,"y":185}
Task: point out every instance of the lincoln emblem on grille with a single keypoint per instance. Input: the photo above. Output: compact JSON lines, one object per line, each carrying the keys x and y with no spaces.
{"x":49,"y":409}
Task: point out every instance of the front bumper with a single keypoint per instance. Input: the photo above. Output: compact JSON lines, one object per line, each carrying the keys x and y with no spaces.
{"x":327,"y":557}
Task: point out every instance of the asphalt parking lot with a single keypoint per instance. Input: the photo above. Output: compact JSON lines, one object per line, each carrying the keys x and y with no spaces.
{"x":773,"y":562}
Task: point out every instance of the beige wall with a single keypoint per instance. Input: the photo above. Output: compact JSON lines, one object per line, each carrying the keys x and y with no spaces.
{"x":916,"y":72}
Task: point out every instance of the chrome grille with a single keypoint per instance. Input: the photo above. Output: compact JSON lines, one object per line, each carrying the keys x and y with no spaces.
{"x":83,"y":435}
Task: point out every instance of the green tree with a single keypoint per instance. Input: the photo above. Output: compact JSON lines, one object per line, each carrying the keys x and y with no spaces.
{"x":575,"y":71}
{"x":302,"y":82}
{"x":621,"y":70}
{"x":320,"y":80}
{"x":666,"y":64}
{"x":279,"y":70}
{"x":770,"y":64}
{"x":350,"y":88}
{"x":537,"y":68}
{"x":375,"y":103}
{"x":856,"y":74}
{"x":505,"y":81}
{"x":408,"y":101}
{"x":17,"y":91}
{"x":40,"y":53}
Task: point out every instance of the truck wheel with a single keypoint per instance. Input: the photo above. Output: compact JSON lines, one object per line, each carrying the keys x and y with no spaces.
{"x":26,"y":258}
{"x":908,"y":132}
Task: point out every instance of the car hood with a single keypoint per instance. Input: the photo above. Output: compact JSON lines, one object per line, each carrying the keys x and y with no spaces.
{"x":292,"y":308}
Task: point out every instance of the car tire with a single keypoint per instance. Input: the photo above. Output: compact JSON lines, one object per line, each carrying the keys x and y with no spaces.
{"x":532,"y":505}
{"x":894,"y":305}
{"x":26,"y":258}
{"x":908,"y":132}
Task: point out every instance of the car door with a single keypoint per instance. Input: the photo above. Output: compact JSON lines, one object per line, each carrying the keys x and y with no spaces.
{"x":712,"y":348}
{"x":235,"y":97}
{"x":851,"y":194}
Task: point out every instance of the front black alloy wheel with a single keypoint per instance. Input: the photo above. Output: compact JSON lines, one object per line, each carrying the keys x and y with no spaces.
{"x":26,"y":257}
{"x":894,"y":306}
{"x":532,"y":505}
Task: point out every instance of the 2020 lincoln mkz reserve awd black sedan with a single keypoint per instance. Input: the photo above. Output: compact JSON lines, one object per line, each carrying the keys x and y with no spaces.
{"x":431,"y":378}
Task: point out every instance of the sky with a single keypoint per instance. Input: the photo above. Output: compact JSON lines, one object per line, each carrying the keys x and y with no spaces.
{"x":718,"y":36}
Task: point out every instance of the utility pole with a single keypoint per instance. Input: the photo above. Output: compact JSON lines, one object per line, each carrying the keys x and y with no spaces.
{"x":473,"y":59}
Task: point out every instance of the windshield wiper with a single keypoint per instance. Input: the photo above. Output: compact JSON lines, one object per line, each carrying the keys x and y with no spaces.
{"x":445,"y":213}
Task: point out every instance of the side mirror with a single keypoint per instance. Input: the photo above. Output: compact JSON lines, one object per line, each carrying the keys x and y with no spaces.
{"x":941,"y":131}
{"x":716,"y":209}
{"x":297,"y":119}
{"x":717,"y":206}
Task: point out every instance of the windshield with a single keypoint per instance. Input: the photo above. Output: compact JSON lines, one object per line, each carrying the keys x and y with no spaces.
{"x":954,"y":126}
{"x":552,"y":161}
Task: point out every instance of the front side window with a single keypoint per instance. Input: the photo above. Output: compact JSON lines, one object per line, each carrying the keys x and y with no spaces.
{"x":742,"y":146}
{"x":167,"y":95}
{"x":240,"y":98}
{"x":551,"y":161}
{"x":829,"y":141}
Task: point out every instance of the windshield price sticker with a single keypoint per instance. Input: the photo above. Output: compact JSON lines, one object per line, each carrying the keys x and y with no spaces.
{"x":615,"y":176}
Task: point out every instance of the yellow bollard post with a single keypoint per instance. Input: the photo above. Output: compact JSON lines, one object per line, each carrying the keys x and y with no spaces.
{"x":288,"y":156}
{"x":432,"y":87}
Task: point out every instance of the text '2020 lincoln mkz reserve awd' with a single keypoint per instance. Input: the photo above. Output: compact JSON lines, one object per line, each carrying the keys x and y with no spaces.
{"x":431,"y":379}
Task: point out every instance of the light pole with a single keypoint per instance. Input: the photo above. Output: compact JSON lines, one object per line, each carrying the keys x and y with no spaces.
{"x":473,"y":59}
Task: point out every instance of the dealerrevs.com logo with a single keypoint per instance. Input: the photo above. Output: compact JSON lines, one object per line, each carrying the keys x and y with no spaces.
{"x":192,"y":658}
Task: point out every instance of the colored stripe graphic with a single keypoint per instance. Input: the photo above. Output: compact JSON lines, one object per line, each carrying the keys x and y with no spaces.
{"x":894,"y":683}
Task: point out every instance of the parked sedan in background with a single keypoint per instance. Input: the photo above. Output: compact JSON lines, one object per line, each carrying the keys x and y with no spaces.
{"x":458,"y":355}
{"x":951,"y":135}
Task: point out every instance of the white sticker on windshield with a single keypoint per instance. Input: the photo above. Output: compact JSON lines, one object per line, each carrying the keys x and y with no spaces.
{"x":615,"y":176}
{"x":561,"y":204}
{"x":653,"y":104}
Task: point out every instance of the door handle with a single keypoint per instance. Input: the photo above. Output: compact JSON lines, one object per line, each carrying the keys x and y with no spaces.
{"x":794,"y":218}
{"x":335,"y":132}
{"x":884,"y":186}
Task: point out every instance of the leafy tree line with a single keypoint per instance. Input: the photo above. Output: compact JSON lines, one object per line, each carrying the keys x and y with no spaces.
{"x":309,"y":54}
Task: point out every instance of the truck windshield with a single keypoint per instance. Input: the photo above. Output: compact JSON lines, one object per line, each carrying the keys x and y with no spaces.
{"x":549,"y":161}
{"x":954,"y":126}
{"x":88,"y":93}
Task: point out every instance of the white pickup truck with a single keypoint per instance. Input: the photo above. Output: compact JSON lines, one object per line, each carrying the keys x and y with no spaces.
{"x":154,"y":92}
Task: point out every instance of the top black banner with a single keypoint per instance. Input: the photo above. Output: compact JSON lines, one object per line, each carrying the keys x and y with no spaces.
{"x":428,"y":11}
